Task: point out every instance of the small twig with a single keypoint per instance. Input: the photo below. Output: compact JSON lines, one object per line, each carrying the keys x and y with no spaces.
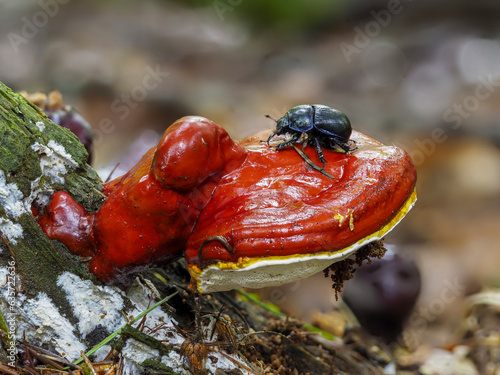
{"x":45,"y":356}
{"x":111,"y":173}
{"x":238,"y":363}
{"x":88,"y":363}
{"x":29,"y":359}
{"x":220,"y":239}
{"x":126,"y":317}
{"x":7,"y":243}
{"x":119,"y":371}
{"x":45,"y":359}
{"x":8,"y":370}
{"x":142,"y":323}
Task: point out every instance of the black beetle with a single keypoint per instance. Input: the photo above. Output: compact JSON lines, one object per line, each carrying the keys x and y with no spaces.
{"x":324,"y":126}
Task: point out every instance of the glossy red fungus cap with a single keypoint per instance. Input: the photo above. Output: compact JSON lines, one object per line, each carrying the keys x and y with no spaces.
{"x":274,"y":219}
{"x":242,"y":214}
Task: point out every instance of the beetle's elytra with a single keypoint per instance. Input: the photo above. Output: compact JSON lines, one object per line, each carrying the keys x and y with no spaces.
{"x":324,"y":126}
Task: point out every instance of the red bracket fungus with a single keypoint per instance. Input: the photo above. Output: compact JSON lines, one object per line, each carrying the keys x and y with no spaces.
{"x":241,"y":213}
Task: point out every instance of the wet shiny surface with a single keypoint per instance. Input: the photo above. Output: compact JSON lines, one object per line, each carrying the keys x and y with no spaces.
{"x":199,"y":184}
{"x":275,"y":204}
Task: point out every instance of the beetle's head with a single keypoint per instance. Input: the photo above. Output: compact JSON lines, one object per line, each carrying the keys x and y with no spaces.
{"x":282,"y":124}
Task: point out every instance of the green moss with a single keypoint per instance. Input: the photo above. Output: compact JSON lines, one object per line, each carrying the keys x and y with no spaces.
{"x":155,"y":367}
{"x":13,"y":146}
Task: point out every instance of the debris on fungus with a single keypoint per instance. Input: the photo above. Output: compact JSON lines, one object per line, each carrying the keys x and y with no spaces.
{"x":344,"y":270}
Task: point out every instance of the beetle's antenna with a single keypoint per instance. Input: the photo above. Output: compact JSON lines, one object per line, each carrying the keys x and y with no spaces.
{"x":271,"y":118}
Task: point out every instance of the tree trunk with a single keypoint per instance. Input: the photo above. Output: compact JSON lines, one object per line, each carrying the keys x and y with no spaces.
{"x":38,"y":157}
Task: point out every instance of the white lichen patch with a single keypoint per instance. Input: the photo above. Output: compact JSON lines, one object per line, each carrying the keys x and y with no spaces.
{"x":11,"y":200}
{"x":175,"y":362}
{"x":62,"y":153}
{"x":92,"y":305}
{"x":13,"y":231}
{"x":54,"y":160}
{"x":37,"y":318}
{"x":40,"y":125}
{"x":135,"y":352}
{"x":42,"y":322}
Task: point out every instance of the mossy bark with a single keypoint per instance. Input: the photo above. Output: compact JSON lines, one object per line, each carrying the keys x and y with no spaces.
{"x":38,"y":260}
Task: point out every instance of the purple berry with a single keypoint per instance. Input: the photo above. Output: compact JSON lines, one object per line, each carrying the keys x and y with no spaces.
{"x":64,"y":115}
{"x":383,"y":294}
{"x":72,"y":120}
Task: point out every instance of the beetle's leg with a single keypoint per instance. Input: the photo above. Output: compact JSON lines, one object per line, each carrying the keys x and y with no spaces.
{"x":320,"y":153}
{"x":304,"y":144}
{"x":304,"y":156}
{"x":343,"y":144}
{"x":346,"y":147}
{"x":221,"y":239}
{"x":270,"y":137}
{"x":294,"y":139}
{"x":353,"y":147}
